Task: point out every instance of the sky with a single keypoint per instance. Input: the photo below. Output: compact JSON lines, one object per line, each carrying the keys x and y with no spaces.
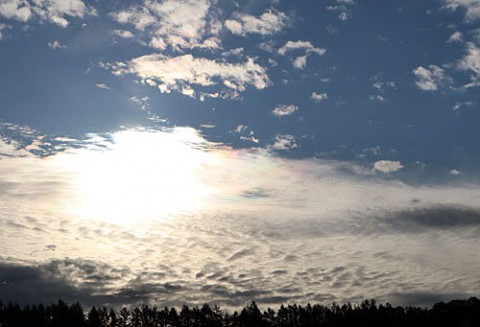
{"x":177,"y":152}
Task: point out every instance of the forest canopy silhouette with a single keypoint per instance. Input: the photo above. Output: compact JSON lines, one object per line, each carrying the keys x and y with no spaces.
{"x":456,"y":313}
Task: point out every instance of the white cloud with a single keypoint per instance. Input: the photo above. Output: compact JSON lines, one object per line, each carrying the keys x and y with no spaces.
{"x":471,"y":7}
{"x":301,"y":45}
{"x":455,"y":37}
{"x":387,"y":166}
{"x":284,"y":142}
{"x":311,"y":215}
{"x":240,"y":129}
{"x":268,"y":23}
{"x":237,"y":52}
{"x":252,"y":139}
{"x":123,"y":34}
{"x":344,"y":12}
{"x":459,"y":105}
{"x":471,"y":61}
{"x":181,"y":24}
{"x":428,"y":79}
{"x":300,"y":62}
{"x":284,"y":110}
{"x":318,"y":97}
{"x":56,"y":45}
{"x":376,"y":97}
{"x":54,"y":11}
{"x":2,"y":27}
{"x":455,"y":172}
{"x":102,"y":86}
{"x":184,"y":72}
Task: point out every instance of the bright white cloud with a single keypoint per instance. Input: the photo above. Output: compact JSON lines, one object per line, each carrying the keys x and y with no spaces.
{"x":428,"y":79}
{"x":268,"y":23}
{"x":54,"y":11}
{"x":318,"y":97}
{"x":284,"y":110}
{"x":301,"y":45}
{"x":284,"y":142}
{"x":185,"y":72}
{"x":181,"y":24}
{"x":387,"y":166}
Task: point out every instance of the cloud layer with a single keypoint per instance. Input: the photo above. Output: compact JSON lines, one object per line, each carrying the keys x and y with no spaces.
{"x":277,"y":230}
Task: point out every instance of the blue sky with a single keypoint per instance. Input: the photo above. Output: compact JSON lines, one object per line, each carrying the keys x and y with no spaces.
{"x":224,"y":108}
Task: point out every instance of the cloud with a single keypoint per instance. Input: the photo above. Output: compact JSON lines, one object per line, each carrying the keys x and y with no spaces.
{"x":54,"y":11}
{"x":442,"y":217}
{"x":123,"y":34}
{"x":455,"y":37}
{"x":300,"y":62}
{"x":344,"y":12}
{"x":284,"y":142}
{"x":187,"y":73}
{"x":2,"y":28}
{"x":180,"y":24}
{"x":471,"y":61}
{"x":301,"y":45}
{"x":455,"y":172}
{"x":319,"y":97}
{"x":102,"y":86}
{"x":377,"y":97}
{"x":56,"y":45}
{"x":471,"y":7}
{"x":387,"y":166}
{"x":429,"y":79}
{"x":284,"y":110}
{"x":294,"y":229}
{"x":268,"y":23}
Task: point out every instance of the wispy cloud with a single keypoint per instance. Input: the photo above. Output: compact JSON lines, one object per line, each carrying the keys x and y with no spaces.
{"x":54,"y":45}
{"x":268,"y":23}
{"x":455,"y":37}
{"x":102,"y":86}
{"x":471,"y":7}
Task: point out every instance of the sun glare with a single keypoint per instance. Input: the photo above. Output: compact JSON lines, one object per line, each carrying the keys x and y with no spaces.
{"x":140,"y":175}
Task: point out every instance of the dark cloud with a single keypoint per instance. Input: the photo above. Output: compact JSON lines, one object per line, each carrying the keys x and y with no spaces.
{"x":423,"y":299}
{"x":418,"y":220}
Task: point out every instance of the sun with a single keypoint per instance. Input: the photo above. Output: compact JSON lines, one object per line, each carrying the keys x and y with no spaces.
{"x":138,"y":175}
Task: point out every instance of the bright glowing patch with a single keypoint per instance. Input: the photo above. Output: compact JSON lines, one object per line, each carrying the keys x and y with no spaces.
{"x":140,"y":175}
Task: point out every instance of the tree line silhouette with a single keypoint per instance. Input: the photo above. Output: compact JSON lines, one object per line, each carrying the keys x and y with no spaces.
{"x":458,"y":313}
